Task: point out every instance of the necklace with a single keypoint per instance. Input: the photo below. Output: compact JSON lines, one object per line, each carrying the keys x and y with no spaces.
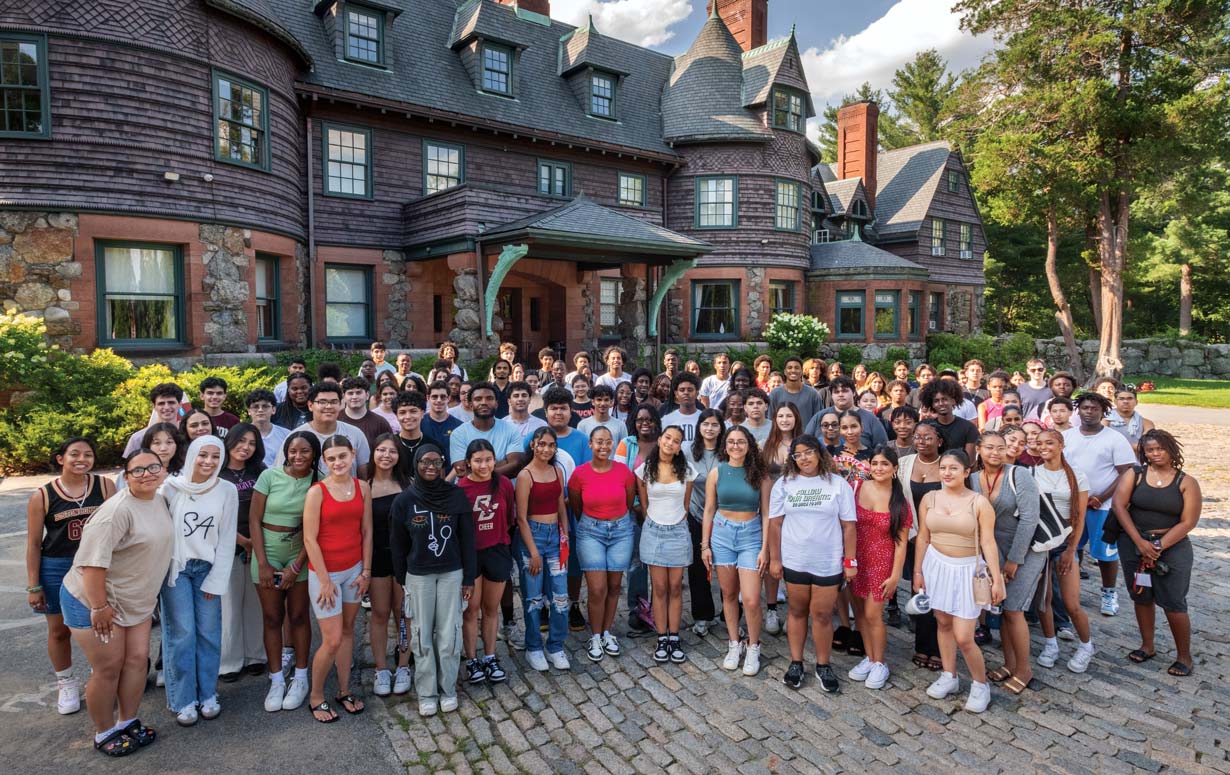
{"x":84,"y":493}
{"x":925,"y":473}
{"x":991,"y":490}
{"x":1157,"y":483}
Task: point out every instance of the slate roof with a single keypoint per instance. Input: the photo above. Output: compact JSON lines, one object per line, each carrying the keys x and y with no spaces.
{"x":854,"y":255}
{"x":263,"y":14}
{"x":776,"y":62}
{"x":843,"y":192}
{"x":585,"y":220}
{"x":908,"y":179}
{"x":476,"y":18}
{"x":586,"y":47}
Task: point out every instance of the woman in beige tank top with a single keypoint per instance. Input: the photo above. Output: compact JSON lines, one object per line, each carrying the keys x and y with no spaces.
{"x":952,"y":522}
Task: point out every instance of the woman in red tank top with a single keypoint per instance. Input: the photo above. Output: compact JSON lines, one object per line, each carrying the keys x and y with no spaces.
{"x":543,"y":524}
{"x":337,"y":533}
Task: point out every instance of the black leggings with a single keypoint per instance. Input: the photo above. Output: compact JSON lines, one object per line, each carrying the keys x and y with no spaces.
{"x":698,"y":578}
{"x":926,"y":641}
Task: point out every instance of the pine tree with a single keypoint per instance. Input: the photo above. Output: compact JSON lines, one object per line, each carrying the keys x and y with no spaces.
{"x":921,"y":93}
{"x":891,"y":134}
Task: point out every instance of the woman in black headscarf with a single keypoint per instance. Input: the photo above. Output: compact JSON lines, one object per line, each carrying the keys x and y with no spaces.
{"x":434,"y":558}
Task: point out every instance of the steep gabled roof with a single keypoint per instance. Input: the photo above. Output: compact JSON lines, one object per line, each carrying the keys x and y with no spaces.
{"x":843,"y":192}
{"x":478,"y":19}
{"x":853,"y":256}
{"x":586,"y":47}
{"x":908,"y":178}
{"x":776,"y":63}
{"x":584,"y":222}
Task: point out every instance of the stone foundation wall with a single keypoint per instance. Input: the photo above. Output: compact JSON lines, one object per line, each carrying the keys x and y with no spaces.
{"x":36,"y":267}
{"x":1151,"y":357}
{"x":396,"y":284}
{"x":226,"y":265}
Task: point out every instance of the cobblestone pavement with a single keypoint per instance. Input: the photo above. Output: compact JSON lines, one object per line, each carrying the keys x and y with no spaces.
{"x":630,"y":715}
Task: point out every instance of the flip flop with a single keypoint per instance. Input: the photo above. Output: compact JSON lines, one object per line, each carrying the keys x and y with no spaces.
{"x":324,"y":708}
{"x":1179,"y":669}
{"x":349,"y":701}
{"x":1015,"y":685}
{"x":854,"y":645}
{"x":999,"y":675}
{"x":1140,"y":655}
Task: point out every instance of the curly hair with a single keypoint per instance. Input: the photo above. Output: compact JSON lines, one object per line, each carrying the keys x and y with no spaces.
{"x":1164,"y":440}
{"x":754,"y":470}
{"x":679,"y":463}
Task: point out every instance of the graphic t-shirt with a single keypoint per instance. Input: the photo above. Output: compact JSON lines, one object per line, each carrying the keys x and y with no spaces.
{"x":493,"y":511}
{"x":813,"y":509}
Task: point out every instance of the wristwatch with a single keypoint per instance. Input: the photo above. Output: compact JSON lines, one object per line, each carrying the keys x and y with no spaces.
{"x":849,"y":562}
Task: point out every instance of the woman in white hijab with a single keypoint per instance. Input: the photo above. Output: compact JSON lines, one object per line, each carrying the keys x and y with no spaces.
{"x":203,"y":510}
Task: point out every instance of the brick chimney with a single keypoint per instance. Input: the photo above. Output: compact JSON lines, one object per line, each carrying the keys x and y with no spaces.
{"x":858,"y":143}
{"x":747,"y":20}
{"x":536,"y":6}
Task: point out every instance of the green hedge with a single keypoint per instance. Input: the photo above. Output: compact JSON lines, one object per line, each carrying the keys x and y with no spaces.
{"x":951,"y":351}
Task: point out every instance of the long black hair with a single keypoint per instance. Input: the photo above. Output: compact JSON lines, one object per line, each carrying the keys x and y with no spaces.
{"x":482,"y":445}
{"x":254,"y":464}
{"x":401,"y":474}
{"x":538,"y":434}
{"x":176,"y":463}
{"x":679,"y":463}
{"x":898,"y":504}
{"x":63,"y":450}
{"x":698,"y":443}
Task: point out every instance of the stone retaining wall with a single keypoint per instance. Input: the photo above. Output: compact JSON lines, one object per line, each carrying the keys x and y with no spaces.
{"x":36,"y":268}
{"x":1151,"y":357}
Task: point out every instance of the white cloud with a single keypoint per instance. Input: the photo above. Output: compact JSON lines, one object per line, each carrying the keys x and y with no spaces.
{"x":874,"y":54}
{"x":644,"y":22}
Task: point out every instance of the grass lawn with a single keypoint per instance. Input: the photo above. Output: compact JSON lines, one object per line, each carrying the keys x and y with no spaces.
{"x":1209,"y":393}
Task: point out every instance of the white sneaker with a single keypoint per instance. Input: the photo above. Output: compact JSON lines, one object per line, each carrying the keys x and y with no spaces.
{"x":382,"y":686}
{"x":610,"y":644}
{"x":700,"y":627}
{"x":69,"y":700}
{"x":559,"y":660}
{"x":1079,"y":662}
{"x":1066,"y":633}
{"x":186,"y":717}
{"x":402,"y":680}
{"x":734,"y":650}
{"x":537,"y":660}
{"x":1110,"y":602}
{"x":594,"y":650}
{"x":296,"y":693}
{"x":160,"y":679}
{"x":751,"y":662}
{"x":210,"y":709}
{"x":860,"y":671}
{"x":772,"y":624}
{"x":275,"y":697}
{"x":1049,"y":655}
{"x":428,"y":707}
{"x":878,"y":676}
{"x":448,"y":704}
{"x":943,"y":686}
{"x":979,"y":697}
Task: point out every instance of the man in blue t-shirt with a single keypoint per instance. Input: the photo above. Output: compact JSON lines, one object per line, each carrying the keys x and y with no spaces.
{"x":438,"y":425}
{"x":503,"y":437}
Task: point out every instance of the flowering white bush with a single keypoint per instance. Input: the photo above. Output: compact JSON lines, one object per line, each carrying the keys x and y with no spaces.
{"x":797,"y":334}
{"x":23,"y":350}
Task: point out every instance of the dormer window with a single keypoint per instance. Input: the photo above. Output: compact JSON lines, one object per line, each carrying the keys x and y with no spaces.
{"x":497,"y":69}
{"x":858,"y":208}
{"x":602,"y":95}
{"x":787,"y":110}
{"x":817,"y":201}
{"x":364,"y":35}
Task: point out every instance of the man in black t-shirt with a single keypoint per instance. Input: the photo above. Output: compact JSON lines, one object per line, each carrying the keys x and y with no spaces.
{"x":940,"y":397}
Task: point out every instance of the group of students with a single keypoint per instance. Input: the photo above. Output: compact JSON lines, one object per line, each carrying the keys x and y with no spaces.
{"x":425,"y":500}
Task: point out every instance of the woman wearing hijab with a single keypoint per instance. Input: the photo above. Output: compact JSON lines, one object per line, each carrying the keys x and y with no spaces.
{"x":204,"y":510}
{"x":434,"y":557}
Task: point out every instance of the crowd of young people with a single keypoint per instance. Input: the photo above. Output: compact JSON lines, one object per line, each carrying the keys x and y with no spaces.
{"x":431,"y":499}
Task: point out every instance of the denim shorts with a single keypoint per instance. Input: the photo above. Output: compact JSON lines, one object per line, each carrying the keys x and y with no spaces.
{"x":604,"y":544}
{"x":666,"y":546}
{"x":346,"y":591}
{"x":51,"y":572}
{"x":736,"y":543}
{"x":76,"y":614}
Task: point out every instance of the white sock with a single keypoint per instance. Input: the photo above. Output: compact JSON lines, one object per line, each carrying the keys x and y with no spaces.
{"x":98,"y":738}
{"x":301,"y":674}
{"x":950,"y":676}
{"x":488,"y":657}
{"x":277,"y":678}
{"x":124,"y":724}
{"x":65,"y":673}
{"x":1088,"y":645}
{"x":1052,"y":642}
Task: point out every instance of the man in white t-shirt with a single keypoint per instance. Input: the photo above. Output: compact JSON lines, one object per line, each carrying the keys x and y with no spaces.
{"x":325,"y":404}
{"x":614,"y":359}
{"x":519,"y":410}
{"x":603,"y":398}
{"x":684,"y":388}
{"x":714,"y":388}
{"x":1102,"y":454}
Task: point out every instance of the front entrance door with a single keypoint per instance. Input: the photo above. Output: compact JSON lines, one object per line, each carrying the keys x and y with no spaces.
{"x":509,"y":310}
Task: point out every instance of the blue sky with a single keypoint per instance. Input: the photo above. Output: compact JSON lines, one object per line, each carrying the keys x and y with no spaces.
{"x":839,"y":19}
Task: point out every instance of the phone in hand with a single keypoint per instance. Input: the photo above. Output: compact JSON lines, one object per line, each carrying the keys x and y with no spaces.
{"x":277,"y":579}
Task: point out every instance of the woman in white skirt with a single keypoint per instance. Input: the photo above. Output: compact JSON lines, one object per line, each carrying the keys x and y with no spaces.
{"x":665,"y":484}
{"x":955,"y":526}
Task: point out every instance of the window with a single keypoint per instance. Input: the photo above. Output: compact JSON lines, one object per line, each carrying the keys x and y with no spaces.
{"x":817,"y":201}
{"x":443,"y":166}
{"x":497,"y":69}
{"x":937,"y":237}
{"x":915,"y":305}
{"x":886,"y":314}
{"x":820,"y":235}
{"x":715,"y":309}
{"x":348,"y":170}
{"x":787,"y":110}
{"x":781,"y":297}
{"x":25,"y":108}
{"x":934,"y":311}
{"x":954,"y":181}
{"x":786,"y":215}
{"x":609,"y":305}
{"x":242,"y":120}
{"x":266,"y":286}
{"x":364,"y":29}
{"x":631,"y":189}
{"x":141,"y":289}
{"x":602,"y":95}
{"x":348,"y":305}
{"x":850,"y":308}
{"x":437,"y":313}
{"x":717,"y":203}
{"x":967,"y":241}
{"x":554,"y":178}
{"x":858,"y":208}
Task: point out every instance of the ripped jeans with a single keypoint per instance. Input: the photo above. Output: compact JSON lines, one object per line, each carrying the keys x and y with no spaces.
{"x":553,"y":581}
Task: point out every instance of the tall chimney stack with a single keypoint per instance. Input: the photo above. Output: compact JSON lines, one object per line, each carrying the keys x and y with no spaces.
{"x":858,"y":144}
{"x":536,"y":6}
{"x":747,"y":20}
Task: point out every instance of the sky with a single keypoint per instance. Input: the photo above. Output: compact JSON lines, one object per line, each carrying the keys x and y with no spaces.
{"x":843,"y":43}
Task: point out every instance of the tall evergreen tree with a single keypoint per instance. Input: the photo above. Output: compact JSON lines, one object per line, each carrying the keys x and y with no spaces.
{"x":891,"y":134}
{"x":921,"y":93}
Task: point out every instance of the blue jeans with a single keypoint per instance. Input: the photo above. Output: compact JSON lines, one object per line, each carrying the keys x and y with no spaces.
{"x":605,"y":544}
{"x":553,"y":581}
{"x":191,"y":638}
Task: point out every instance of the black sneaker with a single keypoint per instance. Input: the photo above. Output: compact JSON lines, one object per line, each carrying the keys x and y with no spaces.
{"x":892,"y":614}
{"x":576,"y":620}
{"x":982,"y":636}
{"x":828,"y":679}
{"x":495,"y":673}
{"x":475,"y":672}
{"x":794,"y":675}
{"x":662,"y":653}
{"x":676,"y":650}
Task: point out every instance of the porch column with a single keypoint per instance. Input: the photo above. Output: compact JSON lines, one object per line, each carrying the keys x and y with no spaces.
{"x":631,"y":310}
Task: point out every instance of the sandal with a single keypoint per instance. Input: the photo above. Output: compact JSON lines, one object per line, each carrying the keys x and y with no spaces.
{"x":854,"y":646}
{"x":1015,"y":685}
{"x":935,"y":664}
{"x":118,"y":743}
{"x":841,"y":637}
{"x":323,"y":708}
{"x":1140,"y":655}
{"x":141,"y":734}
{"x":999,"y":675}
{"x":351,"y":704}
{"x":1179,"y":669}
{"x":921,"y":660}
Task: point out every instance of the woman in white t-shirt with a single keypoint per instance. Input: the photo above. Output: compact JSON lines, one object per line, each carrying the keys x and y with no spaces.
{"x":664,"y":482}
{"x":812,"y":546}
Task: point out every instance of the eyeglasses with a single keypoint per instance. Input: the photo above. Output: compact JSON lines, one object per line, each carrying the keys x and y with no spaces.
{"x":736,"y":442}
{"x":153,"y":469}
{"x":1039,"y":371}
{"x":432,"y":462}
{"x":326,"y":402}
{"x":803,"y":454}
{"x":829,"y":425}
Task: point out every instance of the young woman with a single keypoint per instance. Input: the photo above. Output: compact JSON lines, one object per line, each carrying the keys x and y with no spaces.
{"x":433,"y":550}
{"x":703,"y":458}
{"x":852,"y":460}
{"x":493,"y":502}
{"x":243,"y":645}
{"x":624,"y":405}
{"x":787,"y":426}
{"x":879,"y":388}
{"x":337,"y":534}
{"x":1014,"y":497}
{"x":776,"y":380}
{"x":883,"y":527}
{"x":385,"y":396}
{"x":661,"y":390}
{"x":903,"y":420}
{"x":386,"y":481}
{"x":955,"y":527}
{"x":693,"y":367}
{"x":635,"y":447}
{"x":1014,"y":439}
{"x":294,"y":411}
{"x":763,"y":366}
{"x":55,"y":516}
{"x":1157,"y":506}
{"x":196,"y":423}
{"x":542,"y":522}
{"x":992,"y":408}
{"x":1067,"y":491}
{"x":868,"y":401}
{"x":204,"y":510}
{"x":107,"y":599}
{"x":732,"y":407}
{"x":279,"y":566}
{"x":859,"y":375}
{"x":919,"y":475}
{"x":735,"y":542}
{"x":602,"y":492}
{"x":664,"y":482}
{"x":812,"y":547}
{"x":1030,"y":456}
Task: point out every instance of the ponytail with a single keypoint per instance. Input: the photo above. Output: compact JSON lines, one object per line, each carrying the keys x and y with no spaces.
{"x":1073,"y":507}
{"x":898,"y":509}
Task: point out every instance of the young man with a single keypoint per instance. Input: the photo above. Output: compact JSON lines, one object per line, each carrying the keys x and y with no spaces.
{"x":614,"y":358}
{"x":463,"y":411}
{"x":367,"y":370}
{"x":603,"y":399}
{"x":404,"y":371}
{"x":671,"y":362}
{"x":756,"y":407}
{"x":684,"y":387}
{"x":1062,"y":385}
{"x":438,"y":424}
{"x":1036,"y":392}
{"x":519,"y":415}
{"x":901,"y":371}
{"x":1125,"y":419}
{"x":1102,"y":454}
{"x":715,"y":387}
{"x":261,"y":406}
{"x":973,"y":372}
{"x":965,"y":408}
{"x":555,"y":376}
{"x":502,"y":371}
{"x":803,"y":396}
{"x":213,"y":395}
{"x":546,"y":358}
{"x":580,"y":361}
{"x":410,"y":407}
{"x":379,"y":353}
{"x":924,"y":374}
{"x":325,"y":404}
{"x":503,"y":437}
{"x":296,"y":366}
{"x":355,"y":395}
{"x":940,"y":397}
{"x":841,"y":390}
{"x":166,"y":399}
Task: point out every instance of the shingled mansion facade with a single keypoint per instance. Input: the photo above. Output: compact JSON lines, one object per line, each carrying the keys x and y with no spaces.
{"x":219,"y":176}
